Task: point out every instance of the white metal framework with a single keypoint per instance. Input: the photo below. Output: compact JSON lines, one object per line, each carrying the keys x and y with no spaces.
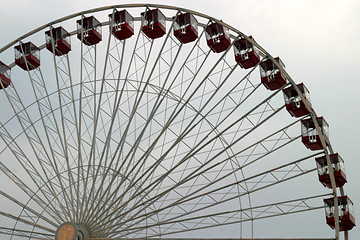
{"x":143,"y":138}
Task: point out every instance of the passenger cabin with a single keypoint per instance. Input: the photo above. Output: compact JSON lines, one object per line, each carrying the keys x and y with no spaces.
{"x":122,"y":24}
{"x":217,"y":37}
{"x":310,"y":137}
{"x":271,"y":76}
{"x":246,"y":55}
{"x":346,"y":213}
{"x":337,"y":164}
{"x":89,"y":30}
{"x":4,"y":76}
{"x":186,"y":28}
{"x":61,"y":40}
{"x":153,"y":23}
{"x":294,"y":105}
{"x":27,"y":56}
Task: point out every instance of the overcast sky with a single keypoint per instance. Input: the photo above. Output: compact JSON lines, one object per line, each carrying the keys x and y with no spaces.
{"x":318,"y":40}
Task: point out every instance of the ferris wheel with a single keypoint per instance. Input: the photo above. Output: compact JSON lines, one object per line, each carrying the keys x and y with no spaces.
{"x":149,"y":121}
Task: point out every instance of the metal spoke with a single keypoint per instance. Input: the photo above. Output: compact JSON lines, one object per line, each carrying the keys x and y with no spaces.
{"x":264,"y":211}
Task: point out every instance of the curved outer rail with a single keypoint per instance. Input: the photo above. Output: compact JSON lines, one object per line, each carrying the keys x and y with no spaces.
{"x":327,"y":149}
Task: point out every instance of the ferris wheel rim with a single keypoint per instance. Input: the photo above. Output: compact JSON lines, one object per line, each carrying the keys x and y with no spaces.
{"x":312,"y":113}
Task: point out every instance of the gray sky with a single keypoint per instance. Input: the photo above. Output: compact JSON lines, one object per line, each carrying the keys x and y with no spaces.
{"x":318,"y":40}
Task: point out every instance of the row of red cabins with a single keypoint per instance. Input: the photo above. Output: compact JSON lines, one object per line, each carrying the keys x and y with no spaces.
{"x":218,"y":39}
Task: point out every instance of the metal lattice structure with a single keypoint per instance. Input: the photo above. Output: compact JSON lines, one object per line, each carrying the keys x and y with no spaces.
{"x":149,"y":138}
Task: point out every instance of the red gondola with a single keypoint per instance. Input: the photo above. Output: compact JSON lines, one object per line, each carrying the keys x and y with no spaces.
{"x":4,"y":76}
{"x":89,"y":30}
{"x":310,"y":136}
{"x":61,"y":39}
{"x":153,"y":23}
{"x":27,"y":56}
{"x":271,"y":76}
{"x":246,"y":55}
{"x":294,"y":105}
{"x":186,"y":28}
{"x":346,"y":213}
{"x":122,"y":24}
{"x":217,"y":37}
{"x":339,"y":171}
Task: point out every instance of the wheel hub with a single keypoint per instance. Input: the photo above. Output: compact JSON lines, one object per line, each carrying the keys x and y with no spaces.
{"x":71,"y":231}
